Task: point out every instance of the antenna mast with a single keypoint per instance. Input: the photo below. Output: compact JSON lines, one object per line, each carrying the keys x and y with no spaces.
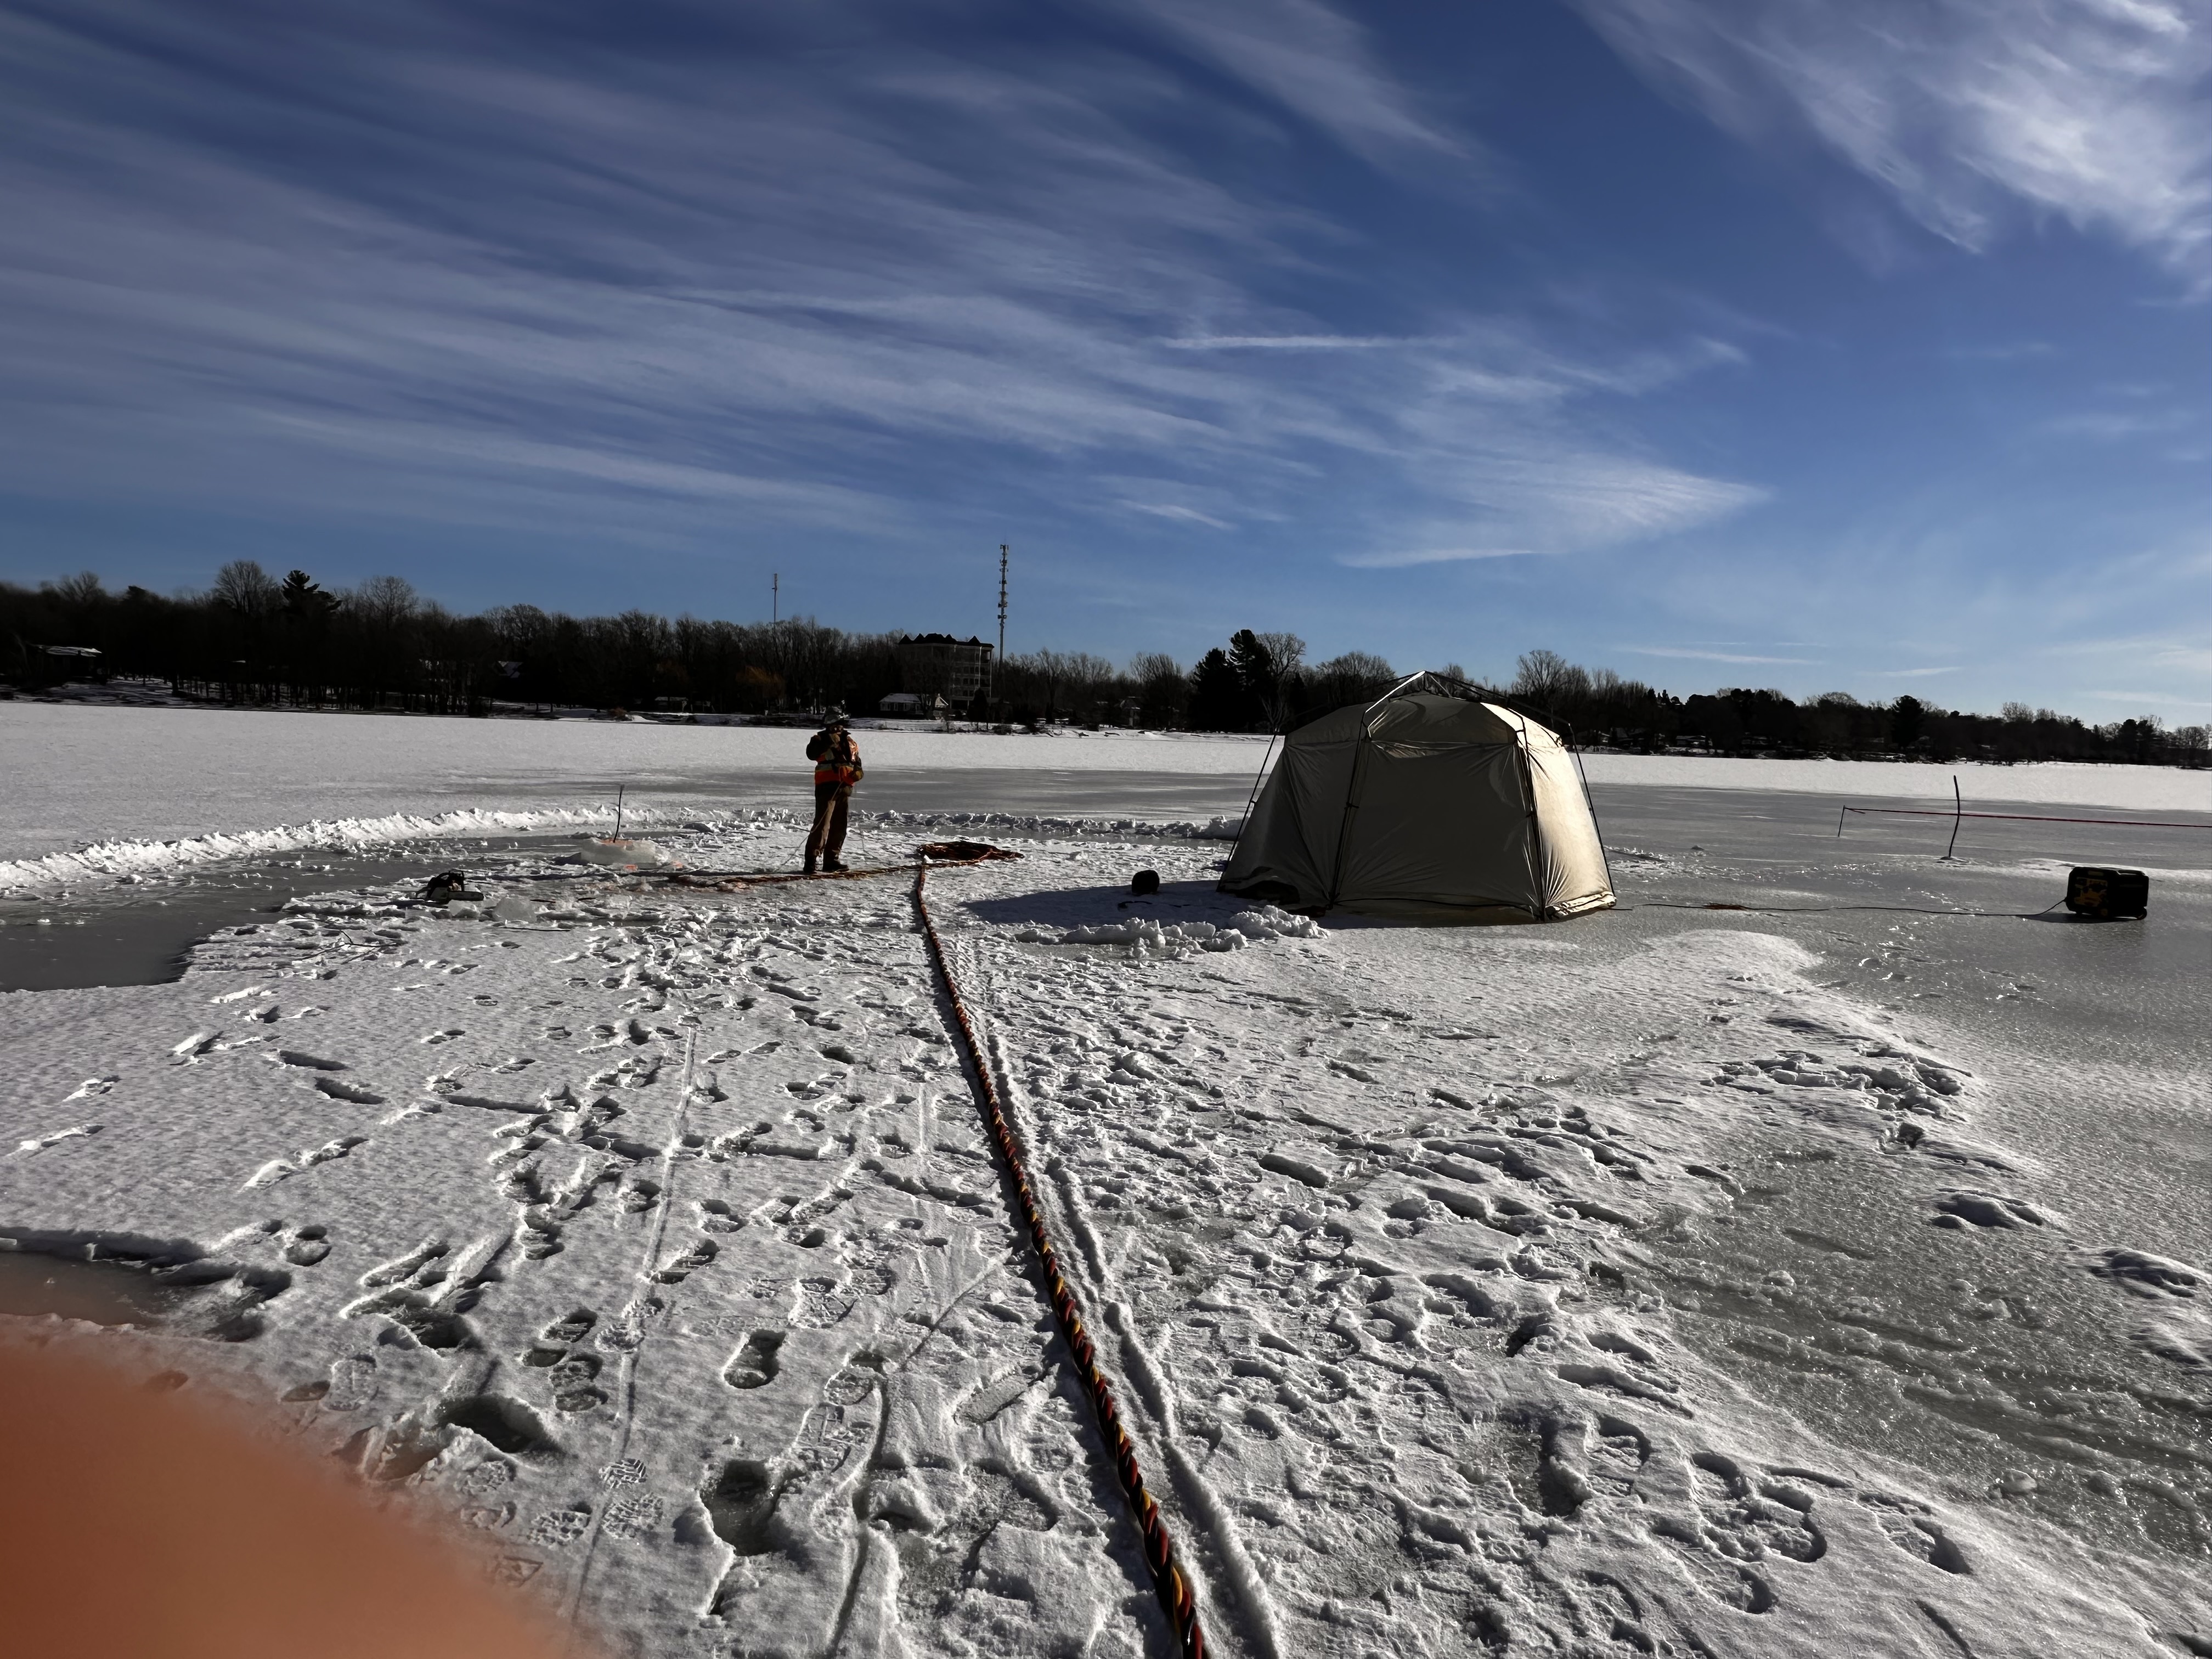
{"x":775,"y":598}
{"x":1001,"y":658}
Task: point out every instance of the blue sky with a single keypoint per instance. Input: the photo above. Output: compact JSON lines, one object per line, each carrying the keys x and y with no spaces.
{"x":1766,"y":342}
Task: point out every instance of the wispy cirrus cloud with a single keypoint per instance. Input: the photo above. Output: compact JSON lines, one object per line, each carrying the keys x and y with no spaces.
{"x":1401,"y":558}
{"x":398,"y":264}
{"x":1558,"y":501}
{"x":1969,"y":112}
{"x":1179,"y":513}
{"x":1313,"y":61}
{"x":1291,"y":343}
{"x":1694,"y":654}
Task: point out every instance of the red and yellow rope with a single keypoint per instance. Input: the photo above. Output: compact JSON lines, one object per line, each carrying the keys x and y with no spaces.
{"x":1174,"y":1589}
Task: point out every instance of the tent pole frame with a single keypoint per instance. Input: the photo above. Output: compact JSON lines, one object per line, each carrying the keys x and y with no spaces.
{"x":1250,"y":802}
{"x":1606,"y":856}
{"x":1350,"y":808}
{"x":1539,"y":911}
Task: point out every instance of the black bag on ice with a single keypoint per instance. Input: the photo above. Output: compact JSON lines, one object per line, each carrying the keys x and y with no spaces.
{"x":2106,"y":894}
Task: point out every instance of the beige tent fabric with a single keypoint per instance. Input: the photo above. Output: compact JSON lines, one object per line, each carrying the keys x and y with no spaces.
{"x":1427,"y":804}
{"x":1575,"y":878}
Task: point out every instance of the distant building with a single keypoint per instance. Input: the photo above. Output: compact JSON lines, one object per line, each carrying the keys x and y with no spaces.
{"x":958,"y":670}
{"x":912,"y":706}
{"x":71,"y":662}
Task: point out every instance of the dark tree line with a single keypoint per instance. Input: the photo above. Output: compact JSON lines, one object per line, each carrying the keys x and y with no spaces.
{"x":1599,"y":707}
{"x":253,"y":639}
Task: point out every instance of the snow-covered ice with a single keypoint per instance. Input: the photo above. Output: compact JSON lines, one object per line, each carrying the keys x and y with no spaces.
{"x":99,"y":791}
{"x":1671,"y":1281}
{"x":1805,"y":1280}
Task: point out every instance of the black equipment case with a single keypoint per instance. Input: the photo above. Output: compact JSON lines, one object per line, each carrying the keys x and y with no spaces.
{"x":2108,"y":894}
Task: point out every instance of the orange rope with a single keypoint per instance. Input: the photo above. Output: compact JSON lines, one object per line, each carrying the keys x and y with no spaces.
{"x":1175,"y":1590}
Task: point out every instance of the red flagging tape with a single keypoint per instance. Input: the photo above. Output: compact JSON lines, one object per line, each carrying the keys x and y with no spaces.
{"x":1159,"y":1548}
{"x":2025,"y":818}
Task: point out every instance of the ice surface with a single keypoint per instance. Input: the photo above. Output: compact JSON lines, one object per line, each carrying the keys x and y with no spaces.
{"x":1674,"y":1280}
{"x":97,"y":792}
{"x":1827,"y":1276}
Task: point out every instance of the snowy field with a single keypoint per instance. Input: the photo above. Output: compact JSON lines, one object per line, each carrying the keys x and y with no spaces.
{"x":1805,"y":1280}
{"x":99,"y":791}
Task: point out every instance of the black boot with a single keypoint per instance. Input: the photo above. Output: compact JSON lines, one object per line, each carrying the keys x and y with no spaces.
{"x":810,"y":867}
{"x":832,"y":865}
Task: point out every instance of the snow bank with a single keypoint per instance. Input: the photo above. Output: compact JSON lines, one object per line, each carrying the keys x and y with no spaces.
{"x":1031,"y":823}
{"x":127,"y":860}
{"x":1148,"y":933}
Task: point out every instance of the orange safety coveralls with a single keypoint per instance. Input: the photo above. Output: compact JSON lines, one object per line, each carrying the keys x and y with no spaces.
{"x":836,"y":760}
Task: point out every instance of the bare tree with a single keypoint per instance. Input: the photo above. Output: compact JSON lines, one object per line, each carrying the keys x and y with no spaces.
{"x":1162,"y":692}
{"x":84,"y":588}
{"x":1355,"y":676}
{"x":385,"y":603}
{"x":1048,"y":670}
{"x":1286,"y":651}
{"x":1268,"y":666}
{"x":1090,"y":680}
{"x":1549,"y":681}
{"x":243,"y":586}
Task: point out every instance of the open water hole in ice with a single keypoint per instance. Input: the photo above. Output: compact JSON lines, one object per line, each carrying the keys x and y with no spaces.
{"x":143,"y":933}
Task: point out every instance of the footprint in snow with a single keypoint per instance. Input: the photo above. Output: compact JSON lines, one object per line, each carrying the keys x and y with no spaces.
{"x":1912,"y":1527}
{"x":755,"y":1365}
{"x":280,"y":1168}
{"x":694,"y":1256}
{"x":741,"y":1504}
{"x":308,"y":1062}
{"x":2141,"y":1273}
{"x":1616,"y":1453}
{"x":571,"y":1375}
{"x":1962,"y":1208}
{"x":54,"y":1138}
{"x":1750,"y":1519}
{"x":331,"y":1088}
{"x":417,"y":1267}
{"x":821,"y":1303}
{"x":556,"y":1530}
{"x":353,"y":1383}
{"x":1725,"y":1582}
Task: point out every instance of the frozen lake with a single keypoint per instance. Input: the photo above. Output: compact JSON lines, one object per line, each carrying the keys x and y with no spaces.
{"x":1823,"y":1275}
{"x":82,"y":776}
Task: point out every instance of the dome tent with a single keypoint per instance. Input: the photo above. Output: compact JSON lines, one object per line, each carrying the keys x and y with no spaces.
{"x":1428,"y":804}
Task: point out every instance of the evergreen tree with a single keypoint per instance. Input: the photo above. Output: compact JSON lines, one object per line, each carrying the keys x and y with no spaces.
{"x":1218,"y":701}
{"x":303,"y":600}
{"x":1907,"y":716}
